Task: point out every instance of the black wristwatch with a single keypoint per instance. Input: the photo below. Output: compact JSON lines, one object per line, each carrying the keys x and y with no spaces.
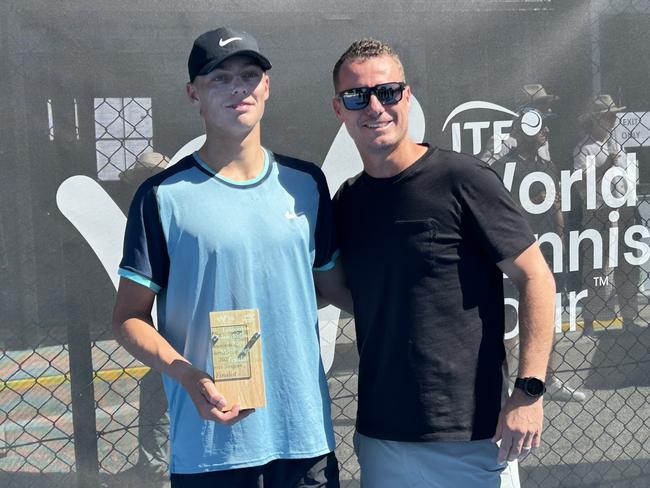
{"x":533,"y":387}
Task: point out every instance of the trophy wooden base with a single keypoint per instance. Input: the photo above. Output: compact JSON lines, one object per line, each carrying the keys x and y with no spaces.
{"x":237,"y":357}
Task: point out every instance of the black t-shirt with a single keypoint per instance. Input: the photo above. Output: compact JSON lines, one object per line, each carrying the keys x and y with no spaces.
{"x":420,"y":252}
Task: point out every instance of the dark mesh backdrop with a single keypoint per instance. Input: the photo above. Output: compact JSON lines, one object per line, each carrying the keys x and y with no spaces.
{"x":87,"y":86}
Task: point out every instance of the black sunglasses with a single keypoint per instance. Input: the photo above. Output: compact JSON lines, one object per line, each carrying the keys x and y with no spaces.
{"x":359,"y":98}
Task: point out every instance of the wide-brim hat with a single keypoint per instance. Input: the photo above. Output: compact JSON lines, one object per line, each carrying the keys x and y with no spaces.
{"x":599,"y":105}
{"x":604,"y":103}
{"x":534,"y":95}
{"x":213,"y":47}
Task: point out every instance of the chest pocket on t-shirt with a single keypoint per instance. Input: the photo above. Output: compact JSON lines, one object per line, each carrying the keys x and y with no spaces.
{"x":415,"y":240}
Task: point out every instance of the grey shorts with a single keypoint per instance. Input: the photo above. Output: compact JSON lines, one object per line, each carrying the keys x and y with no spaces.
{"x":389,"y":464}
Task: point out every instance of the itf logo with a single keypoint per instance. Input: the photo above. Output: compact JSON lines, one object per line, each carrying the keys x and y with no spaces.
{"x":476,"y":128}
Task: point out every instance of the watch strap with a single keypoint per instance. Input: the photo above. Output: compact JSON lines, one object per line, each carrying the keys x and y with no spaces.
{"x":533,"y":387}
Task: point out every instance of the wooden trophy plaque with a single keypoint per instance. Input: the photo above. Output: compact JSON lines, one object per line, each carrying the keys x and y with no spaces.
{"x":237,"y":357}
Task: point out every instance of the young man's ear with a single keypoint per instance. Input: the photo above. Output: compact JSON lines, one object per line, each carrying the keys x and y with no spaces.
{"x":267,"y":80}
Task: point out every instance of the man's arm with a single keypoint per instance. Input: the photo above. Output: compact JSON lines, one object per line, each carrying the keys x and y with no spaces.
{"x":558,"y":216}
{"x":521,"y":418}
{"x":133,"y":329}
{"x":331,"y":288}
{"x":580,"y":161}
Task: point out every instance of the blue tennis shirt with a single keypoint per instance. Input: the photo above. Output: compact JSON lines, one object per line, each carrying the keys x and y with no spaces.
{"x":206,"y":243}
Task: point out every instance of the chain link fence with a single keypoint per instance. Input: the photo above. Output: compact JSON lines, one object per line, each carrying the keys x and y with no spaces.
{"x":77,"y":410}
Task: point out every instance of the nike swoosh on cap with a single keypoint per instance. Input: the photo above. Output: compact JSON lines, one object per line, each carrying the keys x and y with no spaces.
{"x":222,"y":43}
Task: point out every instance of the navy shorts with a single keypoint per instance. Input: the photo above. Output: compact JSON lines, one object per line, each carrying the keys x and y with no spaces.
{"x":321,"y":471}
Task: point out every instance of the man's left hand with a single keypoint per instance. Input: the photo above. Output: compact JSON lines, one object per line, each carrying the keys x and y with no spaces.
{"x":519,"y":427}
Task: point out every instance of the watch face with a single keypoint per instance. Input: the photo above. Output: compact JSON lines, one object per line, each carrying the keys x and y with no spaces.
{"x":534,"y":387}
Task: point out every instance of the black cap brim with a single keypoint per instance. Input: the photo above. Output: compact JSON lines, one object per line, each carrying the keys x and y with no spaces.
{"x":264,"y":63}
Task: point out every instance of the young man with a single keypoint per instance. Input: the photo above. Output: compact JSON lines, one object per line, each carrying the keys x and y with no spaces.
{"x":425,"y":235}
{"x":233,"y":226}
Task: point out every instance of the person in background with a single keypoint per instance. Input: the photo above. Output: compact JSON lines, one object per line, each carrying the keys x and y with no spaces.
{"x":528,"y":96}
{"x":522,"y":160}
{"x":599,"y":150}
{"x":153,"y":420}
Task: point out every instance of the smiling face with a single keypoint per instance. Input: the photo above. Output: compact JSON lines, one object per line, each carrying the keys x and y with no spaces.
{"x":377,"y":128}
{"x":231,"y":97}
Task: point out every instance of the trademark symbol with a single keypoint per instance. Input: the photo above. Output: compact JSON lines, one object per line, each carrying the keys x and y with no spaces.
{"x":601,"y":280}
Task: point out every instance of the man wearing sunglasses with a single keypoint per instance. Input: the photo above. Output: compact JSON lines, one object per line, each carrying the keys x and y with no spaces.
{"x":425,"y":236}
{"x":233,"y":226}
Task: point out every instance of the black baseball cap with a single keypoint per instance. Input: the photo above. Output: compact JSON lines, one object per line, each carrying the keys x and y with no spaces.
{"x":214,"y":47}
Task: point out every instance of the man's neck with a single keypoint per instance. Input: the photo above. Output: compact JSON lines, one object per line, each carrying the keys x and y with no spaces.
{"x":238,"y":159}
{"x":385,"y":164}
